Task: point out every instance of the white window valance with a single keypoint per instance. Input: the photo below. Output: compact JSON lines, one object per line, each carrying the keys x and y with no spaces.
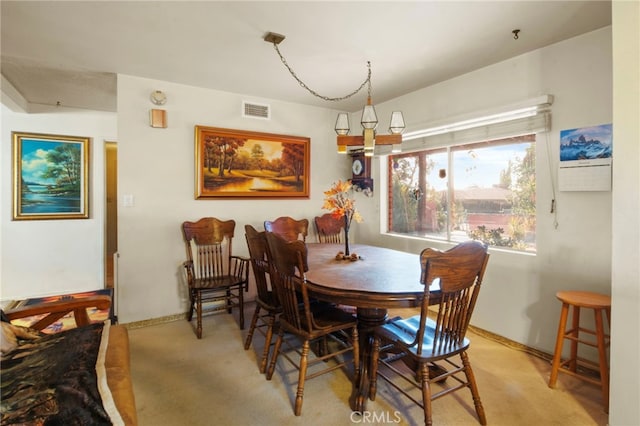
{"x":531,"y":116}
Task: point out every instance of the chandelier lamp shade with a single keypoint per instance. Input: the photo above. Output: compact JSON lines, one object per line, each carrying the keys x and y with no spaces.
{"x":369,"y":139}
{"x":369,"y":121}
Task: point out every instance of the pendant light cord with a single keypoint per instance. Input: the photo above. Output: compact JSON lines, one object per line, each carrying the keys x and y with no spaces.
{"x":316,"y":94}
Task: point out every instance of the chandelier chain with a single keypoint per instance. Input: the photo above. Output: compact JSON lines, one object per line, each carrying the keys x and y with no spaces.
{"x":316,"y":94}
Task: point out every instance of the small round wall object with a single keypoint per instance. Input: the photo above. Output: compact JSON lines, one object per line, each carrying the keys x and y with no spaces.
{"x":158,"y":97}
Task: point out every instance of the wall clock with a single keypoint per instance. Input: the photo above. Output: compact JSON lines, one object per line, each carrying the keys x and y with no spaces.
{"x":158,"y":97}
{"x":361,"y":170}
{"x":360,"y":165}
{"x":357,"y":167}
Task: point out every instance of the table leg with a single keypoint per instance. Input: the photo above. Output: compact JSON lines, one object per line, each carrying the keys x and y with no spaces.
{"x":368,"y":318}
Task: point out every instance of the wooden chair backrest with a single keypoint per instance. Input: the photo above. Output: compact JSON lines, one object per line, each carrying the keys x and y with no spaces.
{"x":288,"y":261}
{"x":257,"y":244}
{"x":330,"y":229}
{"x":459,"y":272}
{"x":288,"y":228}
{"x":210,"y":240}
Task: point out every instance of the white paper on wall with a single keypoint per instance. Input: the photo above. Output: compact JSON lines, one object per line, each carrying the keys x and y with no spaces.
{"x":585,"y":175}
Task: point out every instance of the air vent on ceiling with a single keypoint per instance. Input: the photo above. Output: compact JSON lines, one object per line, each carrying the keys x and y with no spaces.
{"x":254,"y":110}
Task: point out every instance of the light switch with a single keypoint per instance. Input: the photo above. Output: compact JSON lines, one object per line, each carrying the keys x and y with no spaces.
{"x":127,"y":200}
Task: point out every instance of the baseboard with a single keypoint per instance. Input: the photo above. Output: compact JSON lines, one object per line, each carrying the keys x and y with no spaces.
{"x":155,"y":321}
{"x":582,"y":369}
{"x":175,"y":317}
{"x":511,"y":343}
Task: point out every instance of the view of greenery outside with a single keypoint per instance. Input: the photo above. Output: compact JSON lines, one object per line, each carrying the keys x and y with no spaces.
{"x":485,"y":192}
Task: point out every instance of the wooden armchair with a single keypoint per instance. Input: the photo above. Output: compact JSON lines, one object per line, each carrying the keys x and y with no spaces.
{"x":329,"y":228}
{"x":214,"y":274}
{"x":288,"y":228}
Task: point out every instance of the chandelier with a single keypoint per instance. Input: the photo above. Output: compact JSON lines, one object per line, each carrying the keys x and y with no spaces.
{"x":369,"y":121}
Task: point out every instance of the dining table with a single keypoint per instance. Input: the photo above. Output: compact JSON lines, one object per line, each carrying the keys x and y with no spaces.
{"x":373,"y":280}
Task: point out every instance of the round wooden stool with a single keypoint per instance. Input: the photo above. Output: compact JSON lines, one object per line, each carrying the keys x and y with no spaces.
{"x":600,"y":304}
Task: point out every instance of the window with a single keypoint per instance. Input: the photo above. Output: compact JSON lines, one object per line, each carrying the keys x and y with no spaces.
{"x":483,"y":190}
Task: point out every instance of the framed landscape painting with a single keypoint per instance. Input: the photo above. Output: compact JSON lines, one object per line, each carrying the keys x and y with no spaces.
{"x":240,"y":164}
{"x":50,"y":176}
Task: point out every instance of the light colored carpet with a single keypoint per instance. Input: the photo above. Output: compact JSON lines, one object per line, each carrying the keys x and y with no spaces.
{"x":180,"y":380}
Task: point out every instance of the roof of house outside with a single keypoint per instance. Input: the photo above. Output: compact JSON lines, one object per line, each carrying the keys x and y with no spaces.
{"x":485,"y":194}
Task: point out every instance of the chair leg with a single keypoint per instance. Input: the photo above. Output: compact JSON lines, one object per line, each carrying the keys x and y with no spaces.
{"x":228,"y":300}
{"x":355,"y":343}
{"x":426,"y":392}
{"x":301,"y":377}
{"x":241,"y":307}
{"x":602,"y":359}
{"x":575,"y":331}
{"x":267,"y":343}
{"x":557,"y":354}
{"x":252,"y":327}
{"x":192,"y":301}
{"x":199,"y":315}
{"x":274,"y":357}
{"x":471,"y":379}
{"x":373,"y":368}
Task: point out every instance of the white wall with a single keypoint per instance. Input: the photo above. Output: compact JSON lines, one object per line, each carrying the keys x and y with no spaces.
{"x":518,"y":299}
{"x":625,"y":292}
{"x":44,"y":257}
{"x":156,"y":166}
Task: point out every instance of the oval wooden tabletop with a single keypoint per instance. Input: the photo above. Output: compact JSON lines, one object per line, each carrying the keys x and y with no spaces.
{"x":383,"y":278}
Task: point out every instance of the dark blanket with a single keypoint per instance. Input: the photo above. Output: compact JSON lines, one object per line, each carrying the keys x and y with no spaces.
{"x":53,"y":380}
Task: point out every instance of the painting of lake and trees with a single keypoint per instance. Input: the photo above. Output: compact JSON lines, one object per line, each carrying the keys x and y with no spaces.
{"x":586,"y":143}
{"x":235,"y":163}
{"x":50,"y":177}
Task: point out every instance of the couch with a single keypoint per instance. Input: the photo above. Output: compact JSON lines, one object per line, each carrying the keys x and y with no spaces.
{"x":30,"y":343}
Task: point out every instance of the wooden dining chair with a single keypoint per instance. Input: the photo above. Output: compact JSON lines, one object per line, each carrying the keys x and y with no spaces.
{"x":265,"y":299}
{"x":288,"y":228}
{"x":329,"y":228}
{"x":289,"y":263}
{"x":419,"y":342}
{"x":215,"y":276}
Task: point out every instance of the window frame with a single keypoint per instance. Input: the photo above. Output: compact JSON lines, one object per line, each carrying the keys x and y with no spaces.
{"x":449,"y":149}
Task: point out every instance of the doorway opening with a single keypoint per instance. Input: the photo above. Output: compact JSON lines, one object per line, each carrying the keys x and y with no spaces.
{"x":111,"y":222}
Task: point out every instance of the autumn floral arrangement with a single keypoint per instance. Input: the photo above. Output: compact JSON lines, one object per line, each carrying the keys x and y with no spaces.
{"x":338,"y":201}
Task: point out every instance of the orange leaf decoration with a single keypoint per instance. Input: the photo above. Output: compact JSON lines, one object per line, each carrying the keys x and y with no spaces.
{"x":337,"y":201}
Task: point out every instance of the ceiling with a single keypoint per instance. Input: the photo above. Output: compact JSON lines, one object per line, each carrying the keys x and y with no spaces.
{"x":70,"y":52}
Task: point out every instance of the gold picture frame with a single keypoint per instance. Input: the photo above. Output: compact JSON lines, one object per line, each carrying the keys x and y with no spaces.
{"x":243,"y":164}
{"x":50,"y":176}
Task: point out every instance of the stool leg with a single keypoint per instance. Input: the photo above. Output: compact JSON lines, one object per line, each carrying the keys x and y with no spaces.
{"x":602,"y":358}
{"x":557,"y":354}
{"x":575,"y":333}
